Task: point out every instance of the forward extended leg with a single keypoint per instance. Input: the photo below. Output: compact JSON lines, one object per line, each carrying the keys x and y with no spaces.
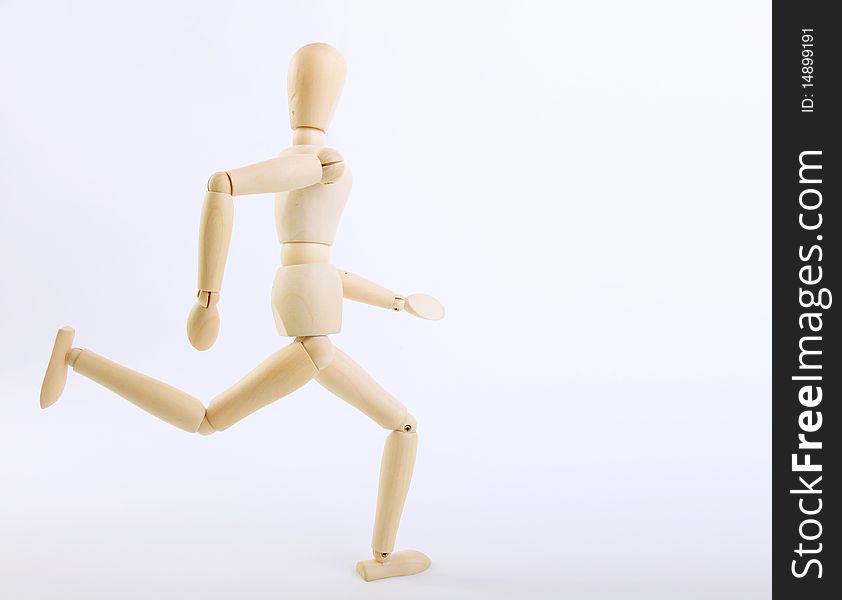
{"x":350,"y":382}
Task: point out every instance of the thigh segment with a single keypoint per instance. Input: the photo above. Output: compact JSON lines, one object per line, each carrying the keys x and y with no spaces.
{"x":349,"y":381}
{"x":281,"y":373}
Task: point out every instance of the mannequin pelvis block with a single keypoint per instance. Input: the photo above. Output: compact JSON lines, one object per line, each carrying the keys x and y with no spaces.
{"x":311,"y":214}
{"x":307,"y":300}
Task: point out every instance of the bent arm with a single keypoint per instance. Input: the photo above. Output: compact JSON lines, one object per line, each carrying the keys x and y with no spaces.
{"x":281,"y":174}
{"x":359,"y":289}
{"x":284,"y":173}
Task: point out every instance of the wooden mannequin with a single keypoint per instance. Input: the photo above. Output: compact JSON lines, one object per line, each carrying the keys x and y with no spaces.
{"x":311,"y":183}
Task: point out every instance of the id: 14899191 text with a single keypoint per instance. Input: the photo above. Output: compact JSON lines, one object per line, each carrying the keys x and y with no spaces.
{"x":807,"y":68}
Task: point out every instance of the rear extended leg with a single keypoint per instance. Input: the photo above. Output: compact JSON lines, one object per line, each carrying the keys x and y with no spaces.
{"x":284,"y":371}
{"x":350,"y":382}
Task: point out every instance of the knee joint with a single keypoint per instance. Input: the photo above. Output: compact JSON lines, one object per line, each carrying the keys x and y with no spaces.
{"x":205,"y":427}
{"x":408,"y":424}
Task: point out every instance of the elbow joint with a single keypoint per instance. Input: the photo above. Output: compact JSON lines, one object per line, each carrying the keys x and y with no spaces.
{"x":220,"y":182}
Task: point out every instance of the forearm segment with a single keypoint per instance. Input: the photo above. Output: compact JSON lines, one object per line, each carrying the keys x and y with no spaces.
{"x":214,"y":239}
{"x":362,"y":290}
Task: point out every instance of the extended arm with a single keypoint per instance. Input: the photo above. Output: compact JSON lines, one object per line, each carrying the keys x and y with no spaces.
{"x":362,"y":290}
{"x":359,"y":289}
{"x":280,"y":174}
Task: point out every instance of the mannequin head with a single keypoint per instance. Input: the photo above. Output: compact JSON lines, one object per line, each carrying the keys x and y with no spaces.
{"x":316,"y":75}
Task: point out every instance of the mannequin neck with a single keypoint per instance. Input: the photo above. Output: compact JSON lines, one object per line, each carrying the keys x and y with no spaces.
{"x":308,"y":136}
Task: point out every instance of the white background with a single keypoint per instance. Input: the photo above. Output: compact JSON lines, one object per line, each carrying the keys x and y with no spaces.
{"x":585,"y":186}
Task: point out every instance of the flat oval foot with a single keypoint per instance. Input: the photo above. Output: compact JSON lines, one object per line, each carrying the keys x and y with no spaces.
{"x":56,"y":375}
{"x":405,"y":562}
